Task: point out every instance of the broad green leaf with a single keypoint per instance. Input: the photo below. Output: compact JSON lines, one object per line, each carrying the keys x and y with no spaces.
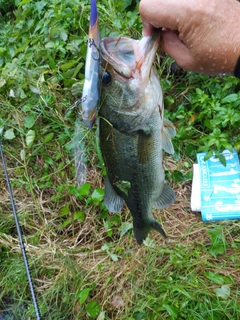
{"x":12,"y":93}
{"x":22,"y":94}
{"x":54,"y":32}
{"x":30,"y":137}
{"x":40,"y":5}
{"x":208,"y":155}
{"x":83,"y":295}
{"x":222,"y":160}
{"x":218,"y":245}
{"x":52,"y":62}
{"x":79,"y":215}
{"x":29,"y":121}
{"x":177,"y":175}
{"x":63,"y":35}
{"x":214,"y":277}
{"x":24,"y":2}
{"x":223,"y":292}
{"x":68,"y":65}
{"x":125,"y":227}
{"x":101,"y":315}
{"x":64,"y":210}
{"x":65,"y":224}
{"x":22,"y":154}
{"x":166,"y":84}
{"x":105,"y":247}
{"x":9,"y":134}
{"x":199,"y":91}
{"x":169,"y":101}
{"x":2,"y":82}
{"x":67,"y":12}
{"x":84,"y":189}
{"x":77,"y":69}
{"x":114,"y":257}
{"x":230,"y":98}
{"x":107,"y":224}
{"x":148,"y":242}
{"x":98,"y":195}
{"x":93,"y":308}
{"x":34,"y":90}
{"x":48,"y":137}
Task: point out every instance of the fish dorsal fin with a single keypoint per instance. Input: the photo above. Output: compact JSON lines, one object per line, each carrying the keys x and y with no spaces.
{"x":168,"y":132}
{"x":169,"y":127}
{"x":166,"y":198}
{"x":112,"y":200}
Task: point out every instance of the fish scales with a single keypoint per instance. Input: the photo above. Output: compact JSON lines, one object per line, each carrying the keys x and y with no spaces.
{"x":131,"y":139}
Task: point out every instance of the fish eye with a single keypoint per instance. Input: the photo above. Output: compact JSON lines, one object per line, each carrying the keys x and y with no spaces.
{"x":106,"y":78}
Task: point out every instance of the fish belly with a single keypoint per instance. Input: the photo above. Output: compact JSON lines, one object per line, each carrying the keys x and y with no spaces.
{"x":134,"y":165}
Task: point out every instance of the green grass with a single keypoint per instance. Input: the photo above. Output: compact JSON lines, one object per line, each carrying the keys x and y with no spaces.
{"x":85,"y":262}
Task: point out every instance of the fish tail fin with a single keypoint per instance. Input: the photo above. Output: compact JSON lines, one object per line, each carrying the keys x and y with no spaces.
{"x":141,"y":233}
{"x":156,"y":226}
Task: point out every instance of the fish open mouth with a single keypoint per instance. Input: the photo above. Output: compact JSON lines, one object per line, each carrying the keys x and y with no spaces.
{"x":128,"y":56}
{"x":119,"y":53}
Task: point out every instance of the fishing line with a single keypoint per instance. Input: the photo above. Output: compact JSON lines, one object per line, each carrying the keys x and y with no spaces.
{"x":34,"y":298}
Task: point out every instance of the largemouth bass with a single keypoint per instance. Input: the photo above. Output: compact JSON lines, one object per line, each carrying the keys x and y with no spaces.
{"x":133,"y":131}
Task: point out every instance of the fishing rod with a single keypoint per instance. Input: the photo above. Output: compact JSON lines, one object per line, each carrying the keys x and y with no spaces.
{"x":34,"y":298}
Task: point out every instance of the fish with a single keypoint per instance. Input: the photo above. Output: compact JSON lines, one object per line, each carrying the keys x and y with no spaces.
{"x":90,"y":93}
{"x":133,"y":131}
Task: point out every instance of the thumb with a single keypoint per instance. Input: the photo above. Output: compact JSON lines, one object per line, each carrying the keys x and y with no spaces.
{"x":147,"y":29}
{"x":175,"y":48}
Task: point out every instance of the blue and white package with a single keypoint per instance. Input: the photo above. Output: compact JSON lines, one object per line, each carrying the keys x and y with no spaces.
{"x":220,"y":187}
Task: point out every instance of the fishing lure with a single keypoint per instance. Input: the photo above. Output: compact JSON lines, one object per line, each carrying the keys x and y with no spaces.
{"x":90,"y":93}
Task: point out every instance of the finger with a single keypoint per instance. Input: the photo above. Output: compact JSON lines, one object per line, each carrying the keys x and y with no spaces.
{"x":164,"y":14}
{"x":147,"y":29}
{"x":175,"y":48}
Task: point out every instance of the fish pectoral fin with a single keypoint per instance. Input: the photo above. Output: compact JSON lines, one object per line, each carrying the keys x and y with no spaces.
{"x":112,"y":200}
{"x":166,"y":141}
{"x":169,"y":127}
{"x":166,"y":198}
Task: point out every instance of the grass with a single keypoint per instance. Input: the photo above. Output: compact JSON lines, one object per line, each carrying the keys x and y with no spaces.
{"x":84,"y":262}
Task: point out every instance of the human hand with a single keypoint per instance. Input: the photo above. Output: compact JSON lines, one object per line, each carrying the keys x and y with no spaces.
{"x":200,"y":35}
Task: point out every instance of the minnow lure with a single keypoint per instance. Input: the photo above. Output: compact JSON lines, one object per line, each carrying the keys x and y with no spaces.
{"x":90,"y":93}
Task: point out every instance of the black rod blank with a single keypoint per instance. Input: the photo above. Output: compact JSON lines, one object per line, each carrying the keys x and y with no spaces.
{"x":34,"y":299}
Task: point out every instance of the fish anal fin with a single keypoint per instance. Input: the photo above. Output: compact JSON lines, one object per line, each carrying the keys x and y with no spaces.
{"x":166,"y":198}
{"x":112,"y":200}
